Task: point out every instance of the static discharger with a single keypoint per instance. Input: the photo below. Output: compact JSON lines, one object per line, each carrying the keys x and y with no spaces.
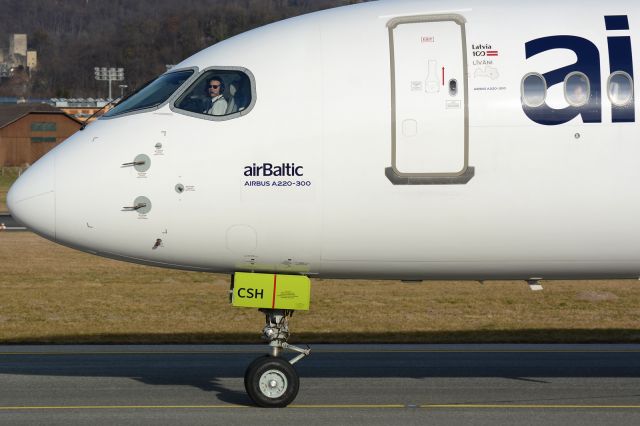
{"x":271,"y":291}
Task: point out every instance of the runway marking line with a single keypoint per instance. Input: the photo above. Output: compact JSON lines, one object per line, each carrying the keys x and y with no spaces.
{"x":117,"y":407}
{"x":565,"y":406}
{"x":250,"y":352}
{"x":347,"y":406}
{"x":320,"y":406}
{"x":130,"y":407}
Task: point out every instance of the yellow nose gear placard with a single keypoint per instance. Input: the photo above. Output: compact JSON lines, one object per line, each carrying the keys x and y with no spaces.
{"x":271,"y":291}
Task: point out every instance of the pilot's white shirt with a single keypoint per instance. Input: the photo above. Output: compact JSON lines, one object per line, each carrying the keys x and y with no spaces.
{"x":219,"y":106}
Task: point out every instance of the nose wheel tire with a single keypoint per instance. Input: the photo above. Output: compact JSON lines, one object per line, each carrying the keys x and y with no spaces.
{"x":250,"y":368}
{"x":271,"y":382}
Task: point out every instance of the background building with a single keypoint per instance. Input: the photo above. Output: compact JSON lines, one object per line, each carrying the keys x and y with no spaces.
{"x":17,"y":55}
{"x":81,"y":108}
{"x":29,"y":131}
{"x":32,"y":59}
{"x":18,"y":44}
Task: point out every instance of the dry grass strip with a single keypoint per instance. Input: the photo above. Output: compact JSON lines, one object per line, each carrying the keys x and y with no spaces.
{"x":6,"y":180}
{"x":50,"y":293}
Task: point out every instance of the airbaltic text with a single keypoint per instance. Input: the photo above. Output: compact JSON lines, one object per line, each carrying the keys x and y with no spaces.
{"x":268,"y":169}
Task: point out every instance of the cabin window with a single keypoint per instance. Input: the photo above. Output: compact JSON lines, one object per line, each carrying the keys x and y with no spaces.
{"x":576,"y":89}
{"x":153,"y":94}
{"x":533,"y":90}
{"x":219,"y":94}
{"x":620,"y":88}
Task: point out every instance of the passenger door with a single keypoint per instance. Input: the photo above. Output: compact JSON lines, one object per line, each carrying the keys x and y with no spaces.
{"x":429,"y":98}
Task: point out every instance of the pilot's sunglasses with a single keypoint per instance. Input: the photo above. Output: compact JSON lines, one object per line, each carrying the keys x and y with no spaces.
{"x":214,"y":86}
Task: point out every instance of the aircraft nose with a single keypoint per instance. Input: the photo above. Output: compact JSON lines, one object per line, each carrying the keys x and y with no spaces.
{"x":31,"y":199}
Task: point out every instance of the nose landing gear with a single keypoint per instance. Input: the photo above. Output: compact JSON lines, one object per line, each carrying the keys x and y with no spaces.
{"x":271,"y":380}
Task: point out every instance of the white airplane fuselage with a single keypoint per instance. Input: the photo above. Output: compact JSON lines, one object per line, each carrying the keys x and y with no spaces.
{"x":389,"y":170}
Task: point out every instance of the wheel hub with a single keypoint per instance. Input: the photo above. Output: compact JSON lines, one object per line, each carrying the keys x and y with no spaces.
{"x":273,"y":384}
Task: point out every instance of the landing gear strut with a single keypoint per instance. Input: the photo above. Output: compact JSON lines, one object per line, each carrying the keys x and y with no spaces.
{"x":271,"y":380}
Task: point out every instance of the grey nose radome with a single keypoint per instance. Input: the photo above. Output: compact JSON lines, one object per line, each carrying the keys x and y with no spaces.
{"x":31,"y":199}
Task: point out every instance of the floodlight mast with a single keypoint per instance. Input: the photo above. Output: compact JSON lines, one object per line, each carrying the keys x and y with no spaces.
{"x":109,"y":74}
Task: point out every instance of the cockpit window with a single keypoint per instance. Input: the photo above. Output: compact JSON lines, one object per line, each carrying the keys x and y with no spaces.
{"x":152,"y":94}
{"x":219,"y":94}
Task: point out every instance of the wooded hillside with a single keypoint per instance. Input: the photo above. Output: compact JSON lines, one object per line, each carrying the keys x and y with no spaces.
{"x":142,"y":36}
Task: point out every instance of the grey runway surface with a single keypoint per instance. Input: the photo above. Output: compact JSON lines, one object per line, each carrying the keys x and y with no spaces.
{"x":340,"y":384}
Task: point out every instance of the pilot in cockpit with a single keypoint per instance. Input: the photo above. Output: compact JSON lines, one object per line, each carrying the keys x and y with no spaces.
{"x":217,"y":104}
